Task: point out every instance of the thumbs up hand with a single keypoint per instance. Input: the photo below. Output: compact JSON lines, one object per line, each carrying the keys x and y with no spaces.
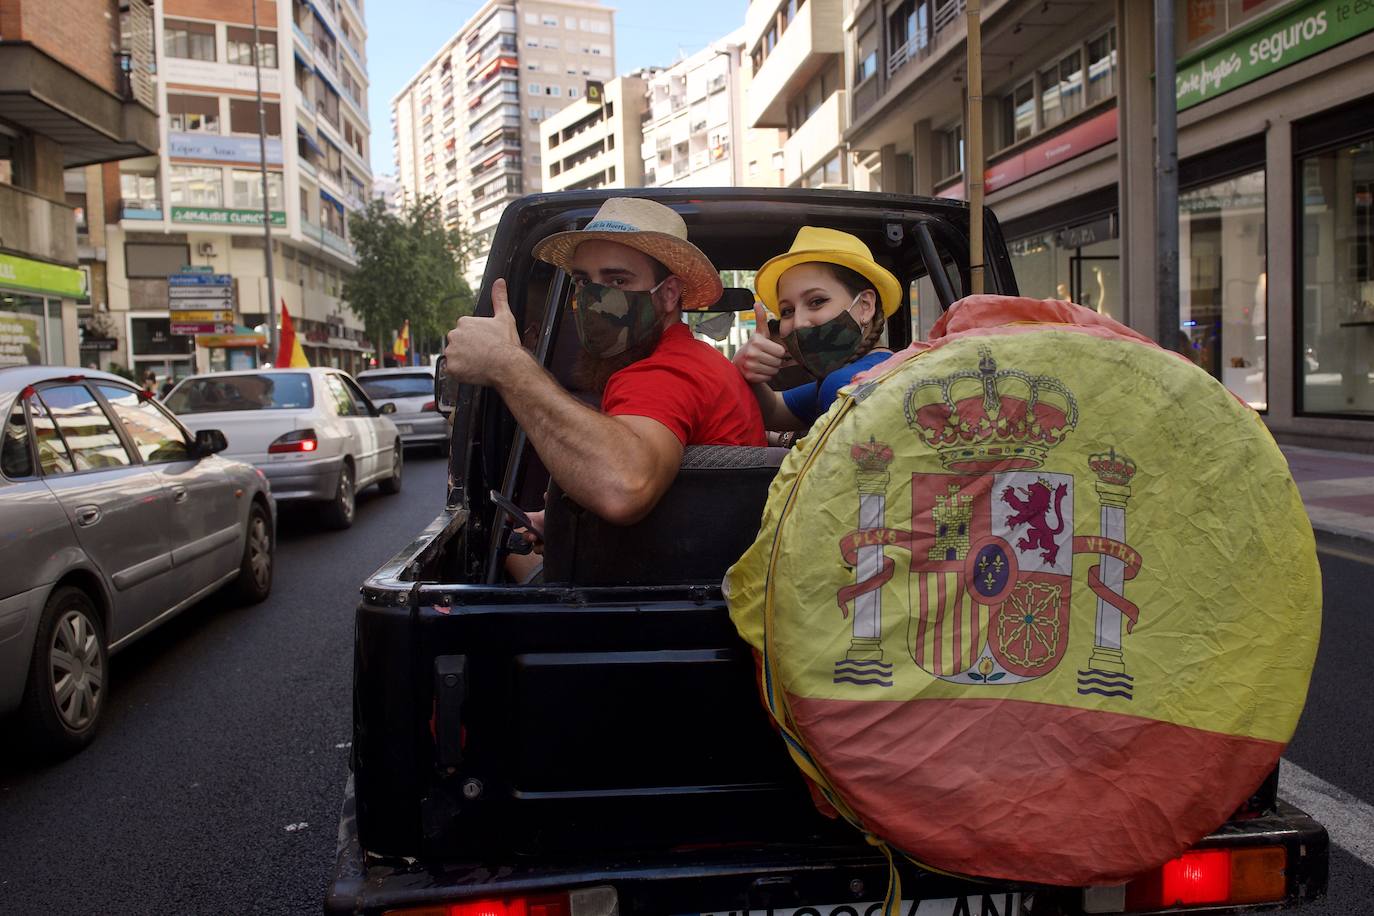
{"x":761,"y":356}
{"x":478,"y":348}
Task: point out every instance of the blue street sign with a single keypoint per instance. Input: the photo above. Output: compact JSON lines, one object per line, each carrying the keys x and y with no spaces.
{"x":200,"y":280}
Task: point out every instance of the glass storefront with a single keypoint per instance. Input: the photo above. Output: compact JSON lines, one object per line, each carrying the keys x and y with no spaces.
{"x":30,"y":330}
{"x":1337,"y":281}
{"x":1223,"y":283}
{"x":1080,"y":263}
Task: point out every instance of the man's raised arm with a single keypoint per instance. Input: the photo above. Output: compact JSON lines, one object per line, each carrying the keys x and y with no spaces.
{"x":618,"y":467}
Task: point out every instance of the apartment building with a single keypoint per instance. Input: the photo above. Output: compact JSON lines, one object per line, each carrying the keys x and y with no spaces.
{"x":795,"y":51}
{"x":75,"y":91}
{"x":467,"y":124}
{"x":694,"y":126}
{"x":199,"y":203}
{"x":595,"y":141}
{"x":1276,"y":175}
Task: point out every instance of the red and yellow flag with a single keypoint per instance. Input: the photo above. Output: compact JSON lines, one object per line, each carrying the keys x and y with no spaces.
{"x":401,"y":348}
{"x":290,"y":353}
{"x":1038,"y":602}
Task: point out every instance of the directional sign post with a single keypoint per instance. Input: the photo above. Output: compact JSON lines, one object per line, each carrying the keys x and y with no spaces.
{"x":200,"y":303}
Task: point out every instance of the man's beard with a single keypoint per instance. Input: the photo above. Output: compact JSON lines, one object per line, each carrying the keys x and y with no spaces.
{"x":591,"y":373}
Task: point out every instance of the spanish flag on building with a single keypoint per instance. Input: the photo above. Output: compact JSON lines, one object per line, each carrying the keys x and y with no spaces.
{"x":1036,"y":601}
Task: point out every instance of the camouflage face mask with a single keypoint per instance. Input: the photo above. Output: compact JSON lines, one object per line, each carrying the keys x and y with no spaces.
{"x":822,"y":349}
{"x":610,"y":321}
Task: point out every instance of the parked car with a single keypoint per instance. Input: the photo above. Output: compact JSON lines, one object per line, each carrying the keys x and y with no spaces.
{"x":113,"y":517}
{"x":313,"y":432}
{"x":411,"y":389}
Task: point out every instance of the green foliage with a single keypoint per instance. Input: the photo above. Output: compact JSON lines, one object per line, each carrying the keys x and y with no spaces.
{"x":409,"y":267}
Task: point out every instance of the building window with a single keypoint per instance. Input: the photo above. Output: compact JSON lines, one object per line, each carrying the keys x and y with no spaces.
{"x":1102,"y":67}
{"x":188,"y":40}
{"x":238,"y":46}
{"x":1337,"y":276}
{"x":198,"y":113}
{"x":243,"y":117}
{"x":949,"y":152}
{"x":866,"y":60}
{"x":550,"y":20}
{"x":138,"y":192}
{"x":1061,"y":90}
{"x":535,"y":89}
{"x":196,"y":185}
{"x":1018,"y":108}
{"x":247,"y":189}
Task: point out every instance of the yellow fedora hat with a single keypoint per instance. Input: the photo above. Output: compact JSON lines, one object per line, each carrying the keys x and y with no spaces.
{"x":829,"y":246}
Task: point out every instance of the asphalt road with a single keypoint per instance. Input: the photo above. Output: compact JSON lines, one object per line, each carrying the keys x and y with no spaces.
{"x":215,"y":784}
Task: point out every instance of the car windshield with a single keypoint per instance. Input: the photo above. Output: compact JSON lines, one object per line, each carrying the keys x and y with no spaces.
{"x":262,"y":391}
{"x":382,"y":387}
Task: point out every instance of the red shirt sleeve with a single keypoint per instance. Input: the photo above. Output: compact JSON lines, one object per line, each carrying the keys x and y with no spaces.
{"x":658,"y":390}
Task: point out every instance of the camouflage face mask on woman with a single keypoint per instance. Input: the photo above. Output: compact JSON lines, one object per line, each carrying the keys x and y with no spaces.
{"x":610,"y":321}
{"x":822,"y":349}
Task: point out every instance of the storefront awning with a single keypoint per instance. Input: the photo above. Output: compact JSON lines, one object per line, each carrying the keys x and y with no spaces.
{"x":333,"y":200}
{"x":310,"y":141}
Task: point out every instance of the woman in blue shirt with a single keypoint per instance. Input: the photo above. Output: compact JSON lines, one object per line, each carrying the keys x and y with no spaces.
{"x":831,"y":301}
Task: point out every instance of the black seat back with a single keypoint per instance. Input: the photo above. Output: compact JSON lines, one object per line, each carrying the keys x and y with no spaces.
{"x":703,"y":524}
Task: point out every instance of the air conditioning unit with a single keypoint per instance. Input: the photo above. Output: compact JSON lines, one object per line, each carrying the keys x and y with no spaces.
{"x":206,"y":249}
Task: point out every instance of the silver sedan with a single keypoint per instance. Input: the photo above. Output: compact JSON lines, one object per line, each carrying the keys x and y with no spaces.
{"x":411,"y":390}
{"x":112,"y":519}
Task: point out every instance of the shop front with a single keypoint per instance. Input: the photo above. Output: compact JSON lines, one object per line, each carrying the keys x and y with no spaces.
{"x":1072,"y":252}
{"x":32,"y":319}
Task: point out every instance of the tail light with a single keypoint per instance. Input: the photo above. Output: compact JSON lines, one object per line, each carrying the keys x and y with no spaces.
{"x":1199,"y":877}
{"x":429,"y":405}
{"x":587,"y":901}
{"x":301,"y":440}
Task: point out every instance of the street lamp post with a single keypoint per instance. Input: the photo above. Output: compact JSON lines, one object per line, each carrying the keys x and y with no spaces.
{"x":266,"y":199}
{"x":973,"y":160}
{"x":1166,"y":174}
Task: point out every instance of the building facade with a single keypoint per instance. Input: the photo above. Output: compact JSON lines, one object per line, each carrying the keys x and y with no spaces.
{"x":795,"y":52}
{"x":1276,"y":175}
{"x":75,"y":91}
{"x":467,"y":124}
{"x":595,"y":141}
{"x":693,"y":127}
{"x":198,"y":205}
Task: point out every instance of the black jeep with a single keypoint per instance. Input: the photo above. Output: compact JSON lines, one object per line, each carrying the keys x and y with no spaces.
{"x":596,"y":745}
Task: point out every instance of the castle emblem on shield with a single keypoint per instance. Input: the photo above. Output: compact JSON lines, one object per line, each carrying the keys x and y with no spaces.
{"x":992,"y":540}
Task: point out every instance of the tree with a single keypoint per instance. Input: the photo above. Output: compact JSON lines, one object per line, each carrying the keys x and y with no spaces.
{"x":409,"y":268}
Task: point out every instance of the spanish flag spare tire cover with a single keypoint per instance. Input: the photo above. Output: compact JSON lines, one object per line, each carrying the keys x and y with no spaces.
{"x":1038,"y":603}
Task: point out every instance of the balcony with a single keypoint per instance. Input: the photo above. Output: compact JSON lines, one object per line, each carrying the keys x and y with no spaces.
{"x":817,"y":139}
{"x":811,"y":38}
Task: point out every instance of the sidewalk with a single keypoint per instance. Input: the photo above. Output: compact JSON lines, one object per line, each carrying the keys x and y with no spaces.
{"x":1337,"y":488}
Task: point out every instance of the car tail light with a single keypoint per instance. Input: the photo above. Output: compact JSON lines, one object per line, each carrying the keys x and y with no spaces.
{"x":301,"y":440}
{"x":587,"y":901}
{"x":429,"y":405}
{"x":1199,"y":877}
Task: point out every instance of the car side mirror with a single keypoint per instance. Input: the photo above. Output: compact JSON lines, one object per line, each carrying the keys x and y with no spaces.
{"x":210,"y":442}
{"x":389,"y":407}
{"x":445,"y":388}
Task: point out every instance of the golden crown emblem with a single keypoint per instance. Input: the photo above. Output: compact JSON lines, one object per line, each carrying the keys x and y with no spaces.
{"x":1112,"y":468}
{"x":980,"y":418}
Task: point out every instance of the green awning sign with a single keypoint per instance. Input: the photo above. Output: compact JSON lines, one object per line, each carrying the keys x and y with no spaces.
{"x":41,"y":277}
{"x":1269,"y":45}
{"x":224,"y":216}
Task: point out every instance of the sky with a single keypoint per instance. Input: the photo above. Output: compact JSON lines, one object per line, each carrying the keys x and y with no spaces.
{"x":403,"y":34}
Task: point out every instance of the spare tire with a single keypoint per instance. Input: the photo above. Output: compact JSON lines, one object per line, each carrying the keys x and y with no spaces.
{"x":1038,"y":603}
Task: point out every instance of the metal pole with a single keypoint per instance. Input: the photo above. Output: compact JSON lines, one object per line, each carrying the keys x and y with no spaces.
{"x":266,"y":200}
{"x":1166,"y":175}
{"x":973,"y":158}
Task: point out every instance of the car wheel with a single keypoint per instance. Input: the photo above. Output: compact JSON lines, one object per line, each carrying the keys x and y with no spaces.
{"x":338,"y":512}
{"x":65,"y":694}
{"x":254,"y":583}
{"x":393,"y":483}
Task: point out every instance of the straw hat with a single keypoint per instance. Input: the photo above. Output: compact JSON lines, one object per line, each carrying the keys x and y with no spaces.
{"x":829,"y":246}
{"x":645,"y":226}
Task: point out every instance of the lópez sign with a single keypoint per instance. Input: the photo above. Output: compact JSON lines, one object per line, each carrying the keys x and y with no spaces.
{"x":1271,"y":45}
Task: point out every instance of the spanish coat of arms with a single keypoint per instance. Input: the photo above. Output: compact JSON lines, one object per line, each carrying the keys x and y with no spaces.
{"x":992,"y":540}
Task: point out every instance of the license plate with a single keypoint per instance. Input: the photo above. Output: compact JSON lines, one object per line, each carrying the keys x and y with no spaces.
{"x":404,"y":427}
{"x":967,"y":905}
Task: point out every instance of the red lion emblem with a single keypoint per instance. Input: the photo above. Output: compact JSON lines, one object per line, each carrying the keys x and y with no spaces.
{"x":1034,"y":511}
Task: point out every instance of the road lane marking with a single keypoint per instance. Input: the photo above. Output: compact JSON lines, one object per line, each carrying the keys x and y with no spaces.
{"x":1349,"y":821}
{"x":1344,"y":554}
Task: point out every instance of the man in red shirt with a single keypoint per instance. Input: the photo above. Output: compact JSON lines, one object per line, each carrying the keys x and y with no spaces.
{"x":661,"y":389}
